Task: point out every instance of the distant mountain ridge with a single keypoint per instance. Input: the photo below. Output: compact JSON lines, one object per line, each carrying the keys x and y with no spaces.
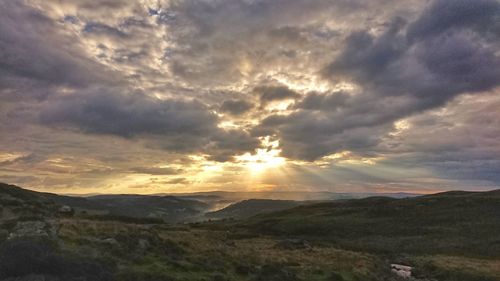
{"x":198,"y":206}
{"x":292,"y":195}
{"x":272,"y":195}
{"x":187,"y":207}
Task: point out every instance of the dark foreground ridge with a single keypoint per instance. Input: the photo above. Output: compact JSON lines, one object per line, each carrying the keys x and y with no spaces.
{"x":444,"y":237}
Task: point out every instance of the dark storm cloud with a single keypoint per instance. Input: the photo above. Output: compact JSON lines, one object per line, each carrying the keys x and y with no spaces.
{"x":397,"y":77}
{"x":441,"y":16}
{"x":433,"y":68}
{"x":308,"y":135}
{"x":175,"y":125}
{"x":364,"y":55}
{"x":226,"y":144}
{"x":35,"y":54}
{"x":321,"y":101}
{"x":236,"y":107}
{"x":461,"y":63}
{"x":269,"y":94}
{"x":106,"y":111}
{"x":288,"y":33}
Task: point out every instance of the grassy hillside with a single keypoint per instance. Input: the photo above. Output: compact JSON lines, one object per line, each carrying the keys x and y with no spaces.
{"x":168,"y":208}
{"x":16,"y":203}
{"x":252,"y":207}
{"x":463,"y":223}
{"x":445,"y":237}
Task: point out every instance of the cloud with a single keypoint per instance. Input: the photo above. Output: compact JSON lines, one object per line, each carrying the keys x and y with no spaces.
{"x":323,"y":101}
{"x":225,"y":144}
{"x":236,"y":107}
{"x":443,"y":15}
{"x":394,"y":78}
{"x":177,"y":181}
{"x":107,"y":111}
{"x":225,"y":42}
{"x":155,"y":170}
{"x":31,"y":62}
{"x":174,"y":125}
{"x":89,"y":89}
{"x":464,"y":144}
{"x":269,"y":94}
{"x":100,"y":28}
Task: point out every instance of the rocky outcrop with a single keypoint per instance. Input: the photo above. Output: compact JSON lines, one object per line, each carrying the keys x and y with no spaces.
{"x":66,"y":210}
{"x":33,"y":229}
{"x":143,"y":245}
{"x":400,"y":270}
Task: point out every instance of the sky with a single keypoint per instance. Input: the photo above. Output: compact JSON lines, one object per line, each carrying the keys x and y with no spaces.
{"x":153,"y":96}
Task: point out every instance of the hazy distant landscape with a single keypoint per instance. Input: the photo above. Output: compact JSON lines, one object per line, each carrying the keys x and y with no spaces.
{"x":191,"y":207}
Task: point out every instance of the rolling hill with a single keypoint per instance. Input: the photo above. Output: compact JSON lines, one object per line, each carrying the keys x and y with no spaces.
{"x":167,"y":208}
{"x":463,"y":223}
{"x":449,"y":236}
{"x":252,"y":207}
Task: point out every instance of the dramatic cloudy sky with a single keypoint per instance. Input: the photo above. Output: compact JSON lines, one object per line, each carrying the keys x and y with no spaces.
{"x":155,"y":96}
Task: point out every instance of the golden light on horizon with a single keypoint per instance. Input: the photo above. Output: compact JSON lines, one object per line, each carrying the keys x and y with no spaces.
{"x":264,"y":158}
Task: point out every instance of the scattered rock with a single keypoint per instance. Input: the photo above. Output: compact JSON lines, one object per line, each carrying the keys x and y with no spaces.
{"x":110,"y":241}
{"x":400,"y":270}
{"x":143,"y":245}
{"x":33,"y":229}
{"x":66,"y":210}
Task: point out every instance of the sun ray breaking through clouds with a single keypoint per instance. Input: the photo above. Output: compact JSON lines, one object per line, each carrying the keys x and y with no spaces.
{"x":175,"y":96}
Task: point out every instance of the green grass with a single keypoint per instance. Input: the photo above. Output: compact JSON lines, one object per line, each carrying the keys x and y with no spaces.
{"x":449,"y":237}
{"x":466,"y":224}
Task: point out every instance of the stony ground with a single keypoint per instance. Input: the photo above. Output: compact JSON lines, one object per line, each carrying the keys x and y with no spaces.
{"x":124,"y":251}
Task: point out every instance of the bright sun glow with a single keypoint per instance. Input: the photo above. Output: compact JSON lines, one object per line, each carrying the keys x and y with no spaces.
{"x":264,"y":158}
